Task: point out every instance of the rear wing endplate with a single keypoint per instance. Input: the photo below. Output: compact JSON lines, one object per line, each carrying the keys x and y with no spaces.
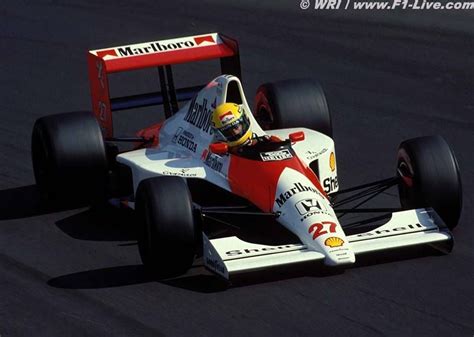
{"x":161,"y":54}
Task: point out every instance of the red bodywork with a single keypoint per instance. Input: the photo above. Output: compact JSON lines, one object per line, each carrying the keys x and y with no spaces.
{"x":257,"y":181}
{"x":103,"y":62}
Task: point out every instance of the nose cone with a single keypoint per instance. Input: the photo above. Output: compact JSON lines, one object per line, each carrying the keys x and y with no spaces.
{"x":338,"y":257}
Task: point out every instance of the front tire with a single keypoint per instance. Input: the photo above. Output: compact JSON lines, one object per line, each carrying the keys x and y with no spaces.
{"x":430,"y":177}
{"x":168,"y":233}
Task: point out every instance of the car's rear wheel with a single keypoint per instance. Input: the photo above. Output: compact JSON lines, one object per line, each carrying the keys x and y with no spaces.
{"x":68,"y":155}
{"x":167,"y":231}
{"x":293,"y":103}
{"x":430,"y":177}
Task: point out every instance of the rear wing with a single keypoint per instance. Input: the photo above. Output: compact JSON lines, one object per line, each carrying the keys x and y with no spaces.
{"x":161,"y":54}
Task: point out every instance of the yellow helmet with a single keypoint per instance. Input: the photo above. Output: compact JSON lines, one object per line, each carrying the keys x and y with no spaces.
{"x":231,"y":121}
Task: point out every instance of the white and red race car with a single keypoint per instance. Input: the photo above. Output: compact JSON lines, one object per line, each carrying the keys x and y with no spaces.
{"x":274,"y":203}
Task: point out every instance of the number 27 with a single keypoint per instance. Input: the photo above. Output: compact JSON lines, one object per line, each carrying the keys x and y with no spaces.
{"x":319,"y":230}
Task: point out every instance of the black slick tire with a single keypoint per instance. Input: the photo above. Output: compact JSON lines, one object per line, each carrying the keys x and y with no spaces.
{"x":429,"y":177}
{"x":167,"y":235}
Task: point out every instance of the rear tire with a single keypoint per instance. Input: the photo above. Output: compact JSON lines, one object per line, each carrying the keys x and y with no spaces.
{"x":293,"y":103}
{"x":68,"y":155}
{"x":168,"y":236}
{"x":430,"y":177}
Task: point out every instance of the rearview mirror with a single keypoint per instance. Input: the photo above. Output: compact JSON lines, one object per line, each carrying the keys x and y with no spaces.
{"x":219,"y":148}
{"x":297,"y":136}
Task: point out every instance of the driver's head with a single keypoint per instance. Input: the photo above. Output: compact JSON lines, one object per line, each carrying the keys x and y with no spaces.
{"x":231,"y":121}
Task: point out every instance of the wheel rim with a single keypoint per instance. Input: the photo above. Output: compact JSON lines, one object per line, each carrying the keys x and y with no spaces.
{"x":264,"y":115}
{"x":405,"y":175}
{"x":407,"y":186}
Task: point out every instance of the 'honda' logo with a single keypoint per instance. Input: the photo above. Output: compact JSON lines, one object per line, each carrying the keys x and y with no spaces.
{"x":309,"y":205}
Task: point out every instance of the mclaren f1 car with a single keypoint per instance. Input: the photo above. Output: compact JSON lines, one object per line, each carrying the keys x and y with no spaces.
{"x":275,"y":203}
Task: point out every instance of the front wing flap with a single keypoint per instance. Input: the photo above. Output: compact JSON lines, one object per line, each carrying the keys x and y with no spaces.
{"x":230,"y":255}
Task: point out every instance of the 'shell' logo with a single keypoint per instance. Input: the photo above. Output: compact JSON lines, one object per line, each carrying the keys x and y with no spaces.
{"x":330,"y":184}
{"x":334,"y":241}
{"x":318,"y":228}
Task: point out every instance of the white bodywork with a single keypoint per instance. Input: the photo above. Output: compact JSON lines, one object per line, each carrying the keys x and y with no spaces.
{"x":304,"y":209}
{"x":231,"y":255}
{"x":191,"y":127}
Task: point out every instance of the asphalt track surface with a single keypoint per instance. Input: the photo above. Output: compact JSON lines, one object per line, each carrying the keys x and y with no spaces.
{"x":388,"y":77}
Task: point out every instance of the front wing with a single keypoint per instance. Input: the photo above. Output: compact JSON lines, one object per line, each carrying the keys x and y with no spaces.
{"x":230,"y":255}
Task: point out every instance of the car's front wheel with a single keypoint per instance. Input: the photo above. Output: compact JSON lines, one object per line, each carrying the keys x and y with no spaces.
{"x":167,"y":231}
{"x":429,"y":177}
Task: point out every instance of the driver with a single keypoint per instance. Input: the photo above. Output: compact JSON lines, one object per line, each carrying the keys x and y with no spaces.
{"x":232,"y":123}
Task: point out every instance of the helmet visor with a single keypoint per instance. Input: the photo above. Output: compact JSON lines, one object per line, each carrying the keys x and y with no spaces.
{"x":235,"y":130}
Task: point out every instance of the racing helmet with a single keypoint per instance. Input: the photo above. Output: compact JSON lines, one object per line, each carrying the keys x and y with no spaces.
{"x":230,"y":120}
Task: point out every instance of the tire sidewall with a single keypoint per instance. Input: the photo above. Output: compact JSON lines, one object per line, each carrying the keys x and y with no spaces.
{"x":167,"y":237}
{"x":435,"y":175}
{"x":293,"y":103}
{"x":69,"y":159}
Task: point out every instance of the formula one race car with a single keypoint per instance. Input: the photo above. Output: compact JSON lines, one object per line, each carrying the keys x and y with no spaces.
{"x":271,"y":204}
